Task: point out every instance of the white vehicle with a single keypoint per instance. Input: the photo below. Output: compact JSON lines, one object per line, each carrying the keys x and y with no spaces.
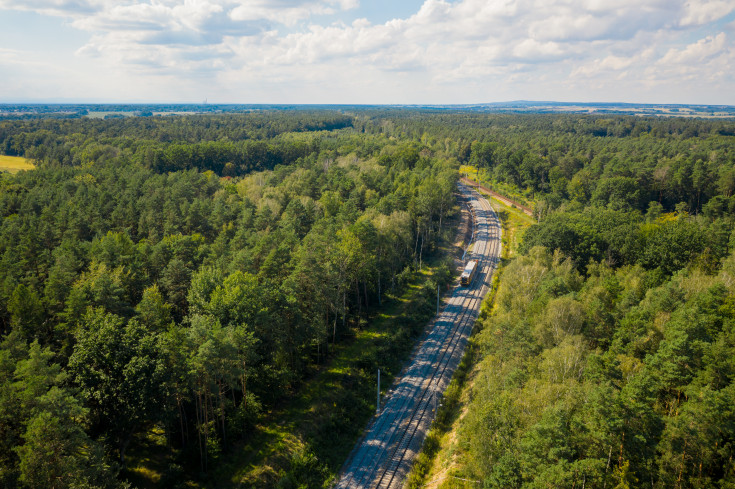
{"x":469,"y":273}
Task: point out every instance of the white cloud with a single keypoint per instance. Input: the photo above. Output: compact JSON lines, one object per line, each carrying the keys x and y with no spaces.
{"x":284,"y":12}
{"x":531,"y":50}
{"x":54,"y":7}
{"x":696,"y":52}
{"x":561,"y":44}
{"x":698,"y":12}
{"x":604,"y":65}
{"x":708,"y":62}
{"x":9,"y":54}
{"x":616,"y":67}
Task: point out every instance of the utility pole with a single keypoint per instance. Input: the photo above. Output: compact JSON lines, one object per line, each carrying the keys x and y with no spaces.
{"x":437,"y":300}
{"x":377,"y":404}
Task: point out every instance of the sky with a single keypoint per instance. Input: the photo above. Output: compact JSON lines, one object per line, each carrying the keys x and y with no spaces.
{"x":367,"y":51}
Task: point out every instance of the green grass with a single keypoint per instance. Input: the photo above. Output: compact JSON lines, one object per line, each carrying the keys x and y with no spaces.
{"x":514,"y":221}
{"x":149,"y":462}
{"x":14,"y":164}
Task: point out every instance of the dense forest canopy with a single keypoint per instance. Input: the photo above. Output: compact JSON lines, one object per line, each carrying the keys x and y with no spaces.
{"x":187,"y":272}
{"x":609,"y":378}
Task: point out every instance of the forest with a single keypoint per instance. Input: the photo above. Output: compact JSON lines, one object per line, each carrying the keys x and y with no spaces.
{"x":187,"y":274}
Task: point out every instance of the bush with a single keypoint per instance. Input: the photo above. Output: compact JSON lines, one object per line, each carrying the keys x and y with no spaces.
{"x":306,"y":472}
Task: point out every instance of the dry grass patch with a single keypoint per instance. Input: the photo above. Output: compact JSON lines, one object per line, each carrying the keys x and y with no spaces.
{"x":14,"y":164}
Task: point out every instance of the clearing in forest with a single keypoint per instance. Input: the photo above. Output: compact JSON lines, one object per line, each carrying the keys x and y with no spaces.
{"x":14,"y":164}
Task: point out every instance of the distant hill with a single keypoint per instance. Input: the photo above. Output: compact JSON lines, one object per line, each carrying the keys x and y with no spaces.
{"x":517,"y":106}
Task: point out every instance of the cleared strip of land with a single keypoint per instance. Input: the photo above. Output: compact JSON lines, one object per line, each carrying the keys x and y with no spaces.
{"x":384,"y":455}
{"x":502,"y":198}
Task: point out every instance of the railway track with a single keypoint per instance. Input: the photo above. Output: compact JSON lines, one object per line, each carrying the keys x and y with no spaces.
{"x":383,"y":457}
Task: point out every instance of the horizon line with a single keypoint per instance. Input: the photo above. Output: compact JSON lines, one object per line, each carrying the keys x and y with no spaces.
{"x":377,"y":104}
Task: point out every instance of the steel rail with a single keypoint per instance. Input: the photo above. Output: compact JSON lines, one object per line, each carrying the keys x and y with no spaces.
{"x":384,"y":427}
{"x":444,"y":365}
{"x":365,"y":462}
{"x":413,"y":437}
{"x":384,"y":454}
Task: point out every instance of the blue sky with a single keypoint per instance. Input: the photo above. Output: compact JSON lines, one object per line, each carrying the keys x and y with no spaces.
{"x":359,"y":51}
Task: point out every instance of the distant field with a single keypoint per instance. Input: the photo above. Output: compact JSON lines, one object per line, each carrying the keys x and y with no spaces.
{"x":102,"y":114}
{"x":14,"y":164}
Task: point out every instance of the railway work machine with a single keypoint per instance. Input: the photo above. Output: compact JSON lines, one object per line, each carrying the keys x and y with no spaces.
{"x":469,"y":273}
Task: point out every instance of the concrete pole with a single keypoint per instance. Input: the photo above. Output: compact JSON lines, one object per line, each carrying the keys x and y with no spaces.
{"x":437,"y":300}
{"x":377,"y":404}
